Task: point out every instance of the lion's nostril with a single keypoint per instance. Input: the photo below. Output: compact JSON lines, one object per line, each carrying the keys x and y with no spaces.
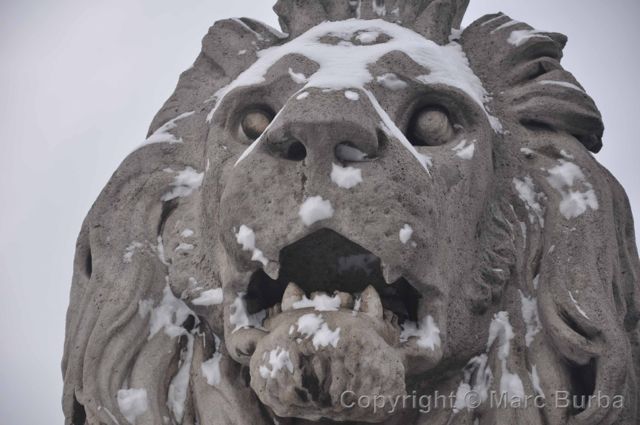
{"x":296,"y":152}
{"x":288,"y":148}
{"x":346,"y":152}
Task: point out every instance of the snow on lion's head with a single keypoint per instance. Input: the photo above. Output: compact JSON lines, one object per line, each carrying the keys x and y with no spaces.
{"x":364,"y":207}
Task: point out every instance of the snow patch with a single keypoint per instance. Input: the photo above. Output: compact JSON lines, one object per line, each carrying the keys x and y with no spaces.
{"x":580,"y":310}
{"x":315,"y":209}
{"x":456,"y":34}
{"x":462,"y":398}
{"x":428,"y":333}
{"x":511,"y":385}
{"x":368,"y":37}
{"x":351,"y":95}
{"x":474,"y":388}
{"x":314,"y":326}
{"x":405,"y":233}
{"x":248,"y":28}
{"x":358,"y":3}
{"x":211,"y":369}
{"x":346,"y":177}
{"x":530,"y":316}
{"x":184,"y":184}
{"x":566,"y":154}
{"x":425,"y":160}
{"x":169,"y":315}
{"x":209,"y":297}
{"x":562,"y":84}
{"x":535,"y":381}
{"x":379,"y":9}
{"x":302,"y":95}
{"x":297,"y":77}
{"x":132,"y":403}
{"x":319,"y":302}
{"x":159,"y":248}
{"x":130,"y":250}
{"x":495,"y":18}
{"x":247,"y":238}
{"x":505,"y":25}
{"x":163,"y":133}
{"x":464,"y":150}
{"x":531,"y":199}
{"x":187,"y":233}
{"x":357,"y":304}
{"x":564,"y":178}
{"x":528,"y":152}
{"x":240,"y":319}
{"x":278,"y":359}
{"x":391,"y":81}
{"x":325,"y":337}
{"x":183,"y":246}
{"x":519,"y":37}
{"x":501,"y":330}
{"x":308,"y":324}
{"x":177,"y":394}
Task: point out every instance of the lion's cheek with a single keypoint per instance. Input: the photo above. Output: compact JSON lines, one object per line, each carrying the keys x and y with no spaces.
{"x":321,"y":374}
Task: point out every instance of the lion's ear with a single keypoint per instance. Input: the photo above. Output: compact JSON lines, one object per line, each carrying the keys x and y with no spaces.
{"x":230,"y":47}
{"x":521,"y":69}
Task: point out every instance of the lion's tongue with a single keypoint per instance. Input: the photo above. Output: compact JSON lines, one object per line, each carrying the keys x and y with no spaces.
{"x":312,"y":358}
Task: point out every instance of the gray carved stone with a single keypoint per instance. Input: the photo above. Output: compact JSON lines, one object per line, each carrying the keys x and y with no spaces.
{"x":381,"y":206}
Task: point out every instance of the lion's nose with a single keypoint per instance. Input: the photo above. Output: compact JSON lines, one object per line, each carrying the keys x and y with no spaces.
{"x":323,"y":129}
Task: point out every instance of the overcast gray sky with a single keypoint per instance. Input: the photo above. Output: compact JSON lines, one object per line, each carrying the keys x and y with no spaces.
{"x":80,"y":81}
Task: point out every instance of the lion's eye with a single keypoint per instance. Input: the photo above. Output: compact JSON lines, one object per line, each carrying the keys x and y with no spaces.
{"x":430,"y":127}
{"x":255,"y":122}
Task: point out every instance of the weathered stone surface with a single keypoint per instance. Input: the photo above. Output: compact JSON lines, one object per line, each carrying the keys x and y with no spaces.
{"x":430,"y":192}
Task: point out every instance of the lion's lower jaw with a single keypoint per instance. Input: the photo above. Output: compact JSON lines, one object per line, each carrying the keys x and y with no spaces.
{"x":312,"y":377}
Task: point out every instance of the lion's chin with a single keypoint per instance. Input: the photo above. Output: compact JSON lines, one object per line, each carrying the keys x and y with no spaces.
{"x":311,"y":365}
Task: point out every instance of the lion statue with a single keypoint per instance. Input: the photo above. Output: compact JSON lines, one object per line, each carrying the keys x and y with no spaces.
{"x":373,"y":217}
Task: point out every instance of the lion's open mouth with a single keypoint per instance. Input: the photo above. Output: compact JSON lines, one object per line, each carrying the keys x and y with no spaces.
{"x":327,"y":271}
{"x":303,"y":328}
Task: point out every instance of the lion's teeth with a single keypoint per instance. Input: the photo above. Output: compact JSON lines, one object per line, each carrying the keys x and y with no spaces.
{"x":390,"y":274}
{"x":390,"y":317}
{"x":292,"y":294}
{"x":274,"y":310}
{"x":371,"y":303}
{"x":346,"y":299}
{"x":272,"y":269}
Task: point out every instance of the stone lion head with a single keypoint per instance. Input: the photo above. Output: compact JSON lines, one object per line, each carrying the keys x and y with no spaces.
{"x":372,"y":204}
